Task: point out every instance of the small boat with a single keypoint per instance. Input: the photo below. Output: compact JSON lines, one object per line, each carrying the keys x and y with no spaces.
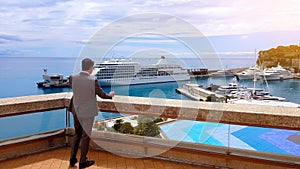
{"x":53,"y":81}
{"x":253,"y":93}
{"x":235,"y":91}
{"x":231,"y":87}
{"x":257,"y":96}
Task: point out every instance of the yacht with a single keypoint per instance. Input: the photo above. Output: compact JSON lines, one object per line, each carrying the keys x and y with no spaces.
{"x":221,"y":73}
{"x":53,"y":81}
{"x":276,"y":73}
{"x":235,"y":91}
{"x":257,"y":96}
{"x":250,"y":73}
{"x":254,"y":94}
{"x":231,"y":87}
{"x":118,"y":73}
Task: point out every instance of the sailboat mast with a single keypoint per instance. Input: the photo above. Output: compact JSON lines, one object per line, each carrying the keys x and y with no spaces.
{"x":254,"y":74}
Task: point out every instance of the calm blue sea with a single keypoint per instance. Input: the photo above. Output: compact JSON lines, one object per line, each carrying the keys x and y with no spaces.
{"x":18,"y":77}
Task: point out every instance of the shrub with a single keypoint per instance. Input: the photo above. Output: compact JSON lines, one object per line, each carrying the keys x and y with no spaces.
{"x":118,"y":124}
{"x":146,"y":127}
{"x":126,"y":128}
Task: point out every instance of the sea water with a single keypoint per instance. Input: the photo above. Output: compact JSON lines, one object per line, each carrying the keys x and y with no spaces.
{"x":18,"y":77}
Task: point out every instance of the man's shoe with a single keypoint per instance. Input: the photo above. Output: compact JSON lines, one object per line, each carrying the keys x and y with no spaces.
{"x":73,"y":161}
{"x":86,"y":164}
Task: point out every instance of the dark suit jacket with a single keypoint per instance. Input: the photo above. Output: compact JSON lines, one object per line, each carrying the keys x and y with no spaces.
{"x":85,"y":89}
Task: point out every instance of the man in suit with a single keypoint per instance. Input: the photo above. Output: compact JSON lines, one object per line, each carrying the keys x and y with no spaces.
{"x":84,"y":108}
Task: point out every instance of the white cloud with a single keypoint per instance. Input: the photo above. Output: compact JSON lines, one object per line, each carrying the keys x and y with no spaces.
{"x":75,"y":20}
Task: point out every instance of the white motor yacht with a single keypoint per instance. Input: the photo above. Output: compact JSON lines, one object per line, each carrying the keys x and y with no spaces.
{"x":276,"y":73}
{"x":250,"y":73}
{"x":221,"y":73}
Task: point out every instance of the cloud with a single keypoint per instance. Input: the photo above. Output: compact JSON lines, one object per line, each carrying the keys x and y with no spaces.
{"x":29,"y":4}
{"x":81,"y":42}
{"x":211,"y":18}
{"x":60,"y":21}
{"x":8,"y":38}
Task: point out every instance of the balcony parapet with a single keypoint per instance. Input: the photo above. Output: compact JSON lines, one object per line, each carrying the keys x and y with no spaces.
{"x":35,"y":103}
{"x":250,"y":115}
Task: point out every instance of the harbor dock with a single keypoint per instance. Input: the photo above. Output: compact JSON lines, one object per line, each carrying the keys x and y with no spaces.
{"x":296,"y":75}
{"x":197,"y":73}
{"x":196,"y":92}
{"x":204,"y":72}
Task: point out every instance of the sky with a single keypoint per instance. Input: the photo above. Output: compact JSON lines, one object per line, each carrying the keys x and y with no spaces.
{"x":58,"y":28}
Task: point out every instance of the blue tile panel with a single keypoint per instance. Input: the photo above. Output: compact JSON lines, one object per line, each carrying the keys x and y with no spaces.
{"x":244,"y":137}
{"x":251,"y":136}
{"x":279,"y":138}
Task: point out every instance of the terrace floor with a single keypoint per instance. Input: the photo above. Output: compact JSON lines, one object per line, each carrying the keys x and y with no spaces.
{"x":59,"y":159}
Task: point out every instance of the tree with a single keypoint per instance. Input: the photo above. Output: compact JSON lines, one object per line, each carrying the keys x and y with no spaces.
{"x":157,"y":120}
{"x":212,"y":98}
{"x":146,"y":126}
{"x":126,"y":128}
{"x":281,"y":54}
{"x":118,"y":124}
{"x":147,"y":129}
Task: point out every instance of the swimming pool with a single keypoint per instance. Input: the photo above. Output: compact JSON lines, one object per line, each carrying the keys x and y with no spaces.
{"x":236,"y":136}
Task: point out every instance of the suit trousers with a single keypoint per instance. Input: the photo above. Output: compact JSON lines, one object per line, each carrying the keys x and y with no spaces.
{"x":83,"y":130}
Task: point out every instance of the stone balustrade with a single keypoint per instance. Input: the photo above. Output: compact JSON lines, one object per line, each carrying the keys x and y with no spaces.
{"x":217,"y":156}
{"x":250,"y":115}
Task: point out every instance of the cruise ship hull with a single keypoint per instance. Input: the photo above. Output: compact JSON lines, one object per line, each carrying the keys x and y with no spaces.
{"x":142,"y":80}
{"x":120,"y":73}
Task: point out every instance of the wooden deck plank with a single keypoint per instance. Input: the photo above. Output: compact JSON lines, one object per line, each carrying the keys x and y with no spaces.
{"x":121,"y":163}
{"x":93,"y":155}
{"x":59,"y":159}
{"x":130,"y":164}
{"x":139,"y":163}
{"x":158,"y":164}
{"x":102,"y":160}
{"x":149,"y":163}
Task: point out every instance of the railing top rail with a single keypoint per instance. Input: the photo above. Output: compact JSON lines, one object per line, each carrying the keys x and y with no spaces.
{"x":34,"y":103}
{"x":251,"y":115}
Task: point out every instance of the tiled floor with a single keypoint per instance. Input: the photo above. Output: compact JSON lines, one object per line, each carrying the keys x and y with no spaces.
{"x":59,"y":159}
{"x":276,"y":141}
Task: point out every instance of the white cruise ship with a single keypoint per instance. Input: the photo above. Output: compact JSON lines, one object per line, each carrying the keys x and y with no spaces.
{"x":118,"y":73}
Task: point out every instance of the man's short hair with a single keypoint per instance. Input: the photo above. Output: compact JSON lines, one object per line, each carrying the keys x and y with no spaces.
{"x":86,"y":64}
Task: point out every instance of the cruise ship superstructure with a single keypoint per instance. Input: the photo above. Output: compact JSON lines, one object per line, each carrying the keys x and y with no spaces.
{"x":117,"y":73}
